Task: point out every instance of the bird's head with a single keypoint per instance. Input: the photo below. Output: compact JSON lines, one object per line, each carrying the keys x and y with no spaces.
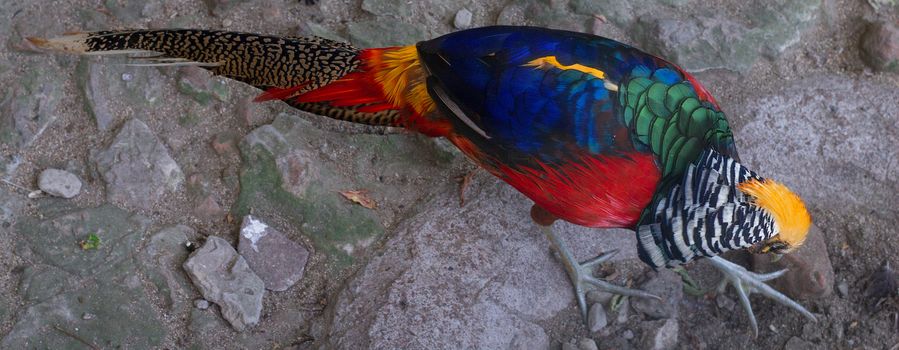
{"x":719,"y":205}
{"x":791,"y":221}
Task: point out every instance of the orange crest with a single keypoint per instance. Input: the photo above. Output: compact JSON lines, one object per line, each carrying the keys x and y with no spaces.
{"x":787,"y":209}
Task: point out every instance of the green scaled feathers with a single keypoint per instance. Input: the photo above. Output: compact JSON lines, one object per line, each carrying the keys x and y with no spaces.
{"x":671,"y":121}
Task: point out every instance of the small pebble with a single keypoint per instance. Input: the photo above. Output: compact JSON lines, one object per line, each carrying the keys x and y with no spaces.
{"x":596,"y":318}
{"x":463,"y":19}
{"x":628,"y":334}
{"x":227,"y":23}
{"x":201,"y":304}
{"x":843,"y":289}
{"x":127,"y":76}
{"x":87,"y":316}
{"x":59,"y":183}
{"x":569,"y":346}
{"x":587,"y":344}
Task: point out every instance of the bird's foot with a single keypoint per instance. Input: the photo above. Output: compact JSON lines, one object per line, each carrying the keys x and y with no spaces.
{"x":581,"y":274}
{"x":746,"y":282}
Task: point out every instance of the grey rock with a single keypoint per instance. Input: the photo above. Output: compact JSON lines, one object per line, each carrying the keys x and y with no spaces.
{"x":387,"y":8}
{"x":843,"y":289}
{"x":880,"y":46}
{"x":849,"y":161}
{"x":137,"y":167}
{"x":223,"y":277}
{"x":667,"y":285}
{"x":105,"y":86}
{"x":462,"y":19}
{"x":378,"y":33}
{"x":201,"y":304}
{"x":597,"y":318}
{"x":54,"y":239}
{"x":59,"y":183}
{"x":708,"y":40}
{"x":27,"y":107}
{"x":627,"y":334}
{"x":291,"y":169}
{"x":569,"y":346}
{"x":661,"y":335}
{"x":161,"y":261}
{"x":587,"y":344}
{"x":809,"y":271}
{"x":277,"y":260}
{"x":485,"y":282}
{"x":121,"y":318}
{"x":42,"y":282}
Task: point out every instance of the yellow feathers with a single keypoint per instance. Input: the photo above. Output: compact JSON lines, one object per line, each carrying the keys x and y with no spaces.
{"x":402,"y":78}
{"x":552,"y":61}
{"x":787,"y":209}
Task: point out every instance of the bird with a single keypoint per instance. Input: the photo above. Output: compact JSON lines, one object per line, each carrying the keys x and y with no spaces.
{"x":594,"y":131}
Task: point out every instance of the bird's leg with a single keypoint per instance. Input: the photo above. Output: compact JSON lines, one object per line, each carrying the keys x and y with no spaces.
{"x":581,"y":274}
{"x":746,"y":282}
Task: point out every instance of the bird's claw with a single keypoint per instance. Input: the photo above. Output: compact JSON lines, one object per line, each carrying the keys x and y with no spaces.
{"x":746,"y":282}
{"x":584,"y":281}
{"x":581,"y":274}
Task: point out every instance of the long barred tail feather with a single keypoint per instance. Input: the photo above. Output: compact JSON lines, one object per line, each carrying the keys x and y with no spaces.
{"x":297,"y":70}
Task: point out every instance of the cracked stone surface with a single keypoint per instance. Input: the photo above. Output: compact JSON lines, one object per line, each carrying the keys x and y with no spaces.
{"x":224,"y":278}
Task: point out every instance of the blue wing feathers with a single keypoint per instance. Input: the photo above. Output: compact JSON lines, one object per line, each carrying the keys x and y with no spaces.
{"x":524,"y":106}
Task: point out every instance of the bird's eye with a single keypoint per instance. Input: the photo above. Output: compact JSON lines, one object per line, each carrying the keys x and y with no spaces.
{"x":777,"y":248}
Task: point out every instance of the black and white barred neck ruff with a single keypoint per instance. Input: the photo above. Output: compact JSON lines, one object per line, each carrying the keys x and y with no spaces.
{"x":704,"y":215}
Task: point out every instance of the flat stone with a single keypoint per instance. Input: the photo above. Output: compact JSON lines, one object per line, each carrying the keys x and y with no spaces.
{"x":105,"y":86}
{"x":387,"y":8}
{"x":161,"y":261}
{"x":292,"y":169}
{"x":597,"y":318}
{"x":810,"y":273}
{"x":54,"y":240}
{"x":42,"y":282}
{"x":223,"y":277}
{"x":667,"y":285}
{"x":880,"y":46}
{"x":379,"y":33}
{"x":661,"y":335}
{"x":277,"y":260}
{"x":137,"y":167}
{"x":59,"y":183}
{"x":27,"y":106}
{"x":708,"y":40}
{"x":479,"y":262}
{"x":120,"y":317}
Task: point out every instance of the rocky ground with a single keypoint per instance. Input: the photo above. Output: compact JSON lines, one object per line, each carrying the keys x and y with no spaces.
{"x":150,"y":207}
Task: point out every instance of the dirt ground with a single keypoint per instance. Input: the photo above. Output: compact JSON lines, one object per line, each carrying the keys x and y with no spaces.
{"x":804,"y":107}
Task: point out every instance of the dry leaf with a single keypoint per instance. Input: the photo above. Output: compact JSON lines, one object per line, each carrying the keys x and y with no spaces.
{"x":360,"y":197}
